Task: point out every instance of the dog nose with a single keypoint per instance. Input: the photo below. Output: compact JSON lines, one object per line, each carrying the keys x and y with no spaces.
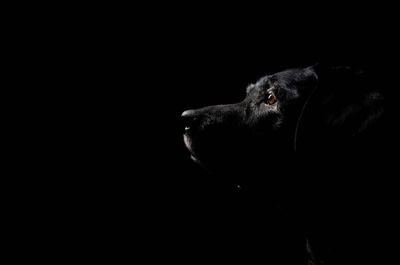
{"x":190,"y":119}
{"x":188,"y":113}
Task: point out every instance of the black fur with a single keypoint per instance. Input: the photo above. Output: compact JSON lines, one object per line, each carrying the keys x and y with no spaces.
{"x":315,"y":107}
{"x":318,"y":142}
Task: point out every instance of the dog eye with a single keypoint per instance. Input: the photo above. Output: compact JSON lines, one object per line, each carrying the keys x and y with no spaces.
{"x":271,"y":99}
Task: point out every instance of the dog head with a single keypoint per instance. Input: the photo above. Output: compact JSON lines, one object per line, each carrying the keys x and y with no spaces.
{"x":236,"y":136}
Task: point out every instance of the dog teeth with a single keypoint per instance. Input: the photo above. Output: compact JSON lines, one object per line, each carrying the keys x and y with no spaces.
{"x":187,"y":128}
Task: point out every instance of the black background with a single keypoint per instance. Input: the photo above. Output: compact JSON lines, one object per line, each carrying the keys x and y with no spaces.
{"x":128,"y":187}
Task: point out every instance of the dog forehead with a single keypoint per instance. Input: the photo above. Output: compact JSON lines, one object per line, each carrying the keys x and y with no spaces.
{"x":261,"y":84}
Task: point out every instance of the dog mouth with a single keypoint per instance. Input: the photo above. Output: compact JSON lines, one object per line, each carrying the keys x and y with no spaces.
{"x":188,"y":143}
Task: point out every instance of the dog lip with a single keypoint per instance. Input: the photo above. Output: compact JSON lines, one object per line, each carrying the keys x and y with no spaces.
{"x":187,"y":141}
{"x":188,"y":144}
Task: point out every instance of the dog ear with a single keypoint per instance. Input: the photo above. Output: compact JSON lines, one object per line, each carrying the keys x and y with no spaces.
{"x":313,"y":72}
{"x":307,"y":79}
{"x":308,"y":87}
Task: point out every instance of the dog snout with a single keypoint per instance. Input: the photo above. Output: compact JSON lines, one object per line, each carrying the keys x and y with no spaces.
{"x":190,"y":120}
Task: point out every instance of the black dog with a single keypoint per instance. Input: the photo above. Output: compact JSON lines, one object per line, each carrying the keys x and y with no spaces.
{"x":288,"y":123}
{"x":309,"y":109}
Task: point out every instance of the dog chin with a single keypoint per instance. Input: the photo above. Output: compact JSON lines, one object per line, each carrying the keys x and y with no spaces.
{"x":188,"y":143}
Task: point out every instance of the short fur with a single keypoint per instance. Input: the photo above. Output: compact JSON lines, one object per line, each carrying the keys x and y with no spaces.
{"x":326,"y":116}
